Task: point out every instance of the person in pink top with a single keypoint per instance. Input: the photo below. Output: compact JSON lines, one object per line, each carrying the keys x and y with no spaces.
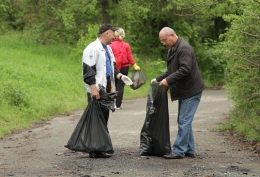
{"x":124,"y":58}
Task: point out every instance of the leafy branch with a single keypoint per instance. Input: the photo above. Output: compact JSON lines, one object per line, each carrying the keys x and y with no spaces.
{"x":257,"y":1}
{"x":241,"y":57}
{"x":196,"y":5}
{"x":245,"y":68}
{"x":249,"y":34}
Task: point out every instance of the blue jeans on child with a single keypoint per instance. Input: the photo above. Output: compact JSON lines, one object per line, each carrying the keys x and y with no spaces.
{"x":184,"y":142}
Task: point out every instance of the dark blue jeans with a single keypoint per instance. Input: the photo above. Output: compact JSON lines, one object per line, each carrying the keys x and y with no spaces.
{"x":184,"y":142}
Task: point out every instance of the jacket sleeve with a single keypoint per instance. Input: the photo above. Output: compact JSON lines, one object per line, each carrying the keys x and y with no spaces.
{"x":89,"y":74}
{"x":89,"y":65}
{"x":162,"y":76}
{"x":129,"y":54}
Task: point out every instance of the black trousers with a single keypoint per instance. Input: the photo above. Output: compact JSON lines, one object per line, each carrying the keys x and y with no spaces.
{"x":120,"y":87}
{"x":104,"y":111}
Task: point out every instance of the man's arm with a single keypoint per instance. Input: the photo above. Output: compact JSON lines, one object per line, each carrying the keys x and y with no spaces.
{"x":185,"y":66}
{"x":89,"y":71}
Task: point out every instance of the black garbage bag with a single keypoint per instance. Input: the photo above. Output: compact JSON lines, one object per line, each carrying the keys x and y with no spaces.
{"x":138,"y":78}
{"x":91,"y":133}
{"x":107,"y":100}
{"x":155,"y":133}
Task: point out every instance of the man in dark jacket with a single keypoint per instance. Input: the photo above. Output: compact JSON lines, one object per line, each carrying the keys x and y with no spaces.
{"x":186,"y":85}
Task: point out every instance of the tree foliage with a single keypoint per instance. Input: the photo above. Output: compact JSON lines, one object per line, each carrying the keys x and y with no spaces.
{"x":241,"y":48}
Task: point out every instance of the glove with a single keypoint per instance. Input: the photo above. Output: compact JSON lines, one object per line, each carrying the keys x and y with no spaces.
{"x":126,"y":80}
{"x":154,"y":81}
{"x":137,"y":68}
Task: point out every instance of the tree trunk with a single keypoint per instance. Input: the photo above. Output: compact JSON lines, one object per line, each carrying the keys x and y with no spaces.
{"x":104,"y":9}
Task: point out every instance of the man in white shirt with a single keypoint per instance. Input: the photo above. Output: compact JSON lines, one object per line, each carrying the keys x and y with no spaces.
{"x":99,"y":68}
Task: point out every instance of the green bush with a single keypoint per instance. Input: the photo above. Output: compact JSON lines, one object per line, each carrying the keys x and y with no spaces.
{"x":243,"y":70}
{"x":14,"y":96}
{"x":212,"y":63}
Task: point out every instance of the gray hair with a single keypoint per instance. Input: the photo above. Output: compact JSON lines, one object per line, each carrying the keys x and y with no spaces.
{"x":168,"y":30}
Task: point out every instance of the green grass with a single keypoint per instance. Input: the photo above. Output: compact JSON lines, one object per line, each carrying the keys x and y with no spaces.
{"x":36,"y":82}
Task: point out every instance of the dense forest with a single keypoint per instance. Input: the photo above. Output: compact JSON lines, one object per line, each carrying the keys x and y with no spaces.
{"x":225,"y":35}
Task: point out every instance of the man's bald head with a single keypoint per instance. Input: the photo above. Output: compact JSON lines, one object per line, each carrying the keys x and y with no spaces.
{"x":167,"y":30}
{"x":168,"y":37}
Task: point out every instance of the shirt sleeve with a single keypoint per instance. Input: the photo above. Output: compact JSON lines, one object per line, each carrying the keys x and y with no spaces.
{"x":89,"y":66}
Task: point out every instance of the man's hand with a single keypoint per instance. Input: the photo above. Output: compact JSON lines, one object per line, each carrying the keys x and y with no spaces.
{"x":164,"y":83}
{"x":126,"y":80}
{"x":154,"y":81}
{"x":94,"y":91}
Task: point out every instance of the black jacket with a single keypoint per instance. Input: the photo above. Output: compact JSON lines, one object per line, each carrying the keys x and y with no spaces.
{"x":182,"y":75}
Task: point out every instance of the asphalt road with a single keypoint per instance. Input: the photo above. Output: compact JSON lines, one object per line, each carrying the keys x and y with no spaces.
{"x":40,"y":151}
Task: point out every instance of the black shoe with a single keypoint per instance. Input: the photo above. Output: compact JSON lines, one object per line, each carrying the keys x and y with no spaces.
{"x":103,"y":155}
{"x":189,"y":155}
{"x":92,"y":155}
{"x":99,"y":155}
{"x":172,"y":156}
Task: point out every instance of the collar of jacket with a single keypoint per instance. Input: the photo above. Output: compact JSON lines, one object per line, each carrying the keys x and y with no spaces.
{"x":100,"y":46}
{"x":172,"y":51}
{"x":174,"y":48}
